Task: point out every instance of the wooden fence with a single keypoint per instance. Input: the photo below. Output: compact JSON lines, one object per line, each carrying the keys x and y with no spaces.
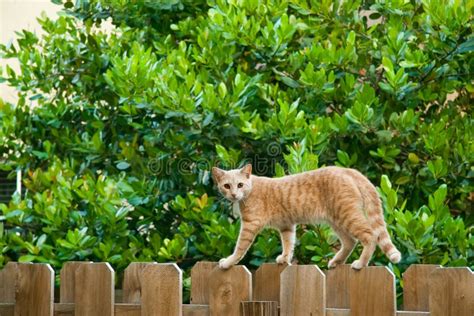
{"x":156,"y":289}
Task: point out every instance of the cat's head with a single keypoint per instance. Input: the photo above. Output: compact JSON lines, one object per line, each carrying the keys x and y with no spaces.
{"x":234,"y":184}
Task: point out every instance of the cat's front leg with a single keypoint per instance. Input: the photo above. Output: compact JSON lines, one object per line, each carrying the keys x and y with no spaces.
{"x":248,"y":231}
{"x":288,"y":237}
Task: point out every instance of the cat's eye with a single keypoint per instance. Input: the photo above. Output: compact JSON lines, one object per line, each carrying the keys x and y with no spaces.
{"x":240,"y":185}
{"x":227,"y":186}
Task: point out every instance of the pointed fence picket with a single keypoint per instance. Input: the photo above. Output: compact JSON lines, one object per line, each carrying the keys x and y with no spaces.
{"x":87,"y":289}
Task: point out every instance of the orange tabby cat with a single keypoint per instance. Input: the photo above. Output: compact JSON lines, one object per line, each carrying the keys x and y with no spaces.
{"x":342,"y":197}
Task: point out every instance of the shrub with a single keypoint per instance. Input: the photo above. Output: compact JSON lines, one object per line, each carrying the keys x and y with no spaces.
{"x":116,"y":130}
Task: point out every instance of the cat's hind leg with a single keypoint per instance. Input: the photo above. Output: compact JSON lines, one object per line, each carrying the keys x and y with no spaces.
{"x":347,"y":246}
{"x":288,"y":237}
{"x":363,"y":232}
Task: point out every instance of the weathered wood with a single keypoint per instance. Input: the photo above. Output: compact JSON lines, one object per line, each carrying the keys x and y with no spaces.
{"x":124,"y":309}
{"x":68,"y":281}
{"x":132,"y":287}
{"x":452,"y":292}
{"x":372,"y":292}
{"x":337,"y":286}
{"x":227,"y":288}
{"x":196,"y":310}
{"x":8,"y":279}
{"x":94,"y":290}
{"x":161,"y":290}
{"x":415,"y":287}
{"x":347,"y":312}
{"x":259,"y":308}
{"x":34,"y":290}
{"x":303,"y":291}
{"x":267,"y":282}
{"x":200,"y":281}
{"x":7,"y":309}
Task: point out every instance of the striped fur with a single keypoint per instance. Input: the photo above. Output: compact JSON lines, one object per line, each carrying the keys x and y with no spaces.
{"x":340,"y":196}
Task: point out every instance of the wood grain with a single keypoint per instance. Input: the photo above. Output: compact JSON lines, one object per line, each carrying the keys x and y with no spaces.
{"x":372,"y":292}
{"x":416,"y":291}
{"x":452,"y":292}
{"x":347,"y":312}
{"x":227,"y":288}
{"x":266,"y":285}
{"x":8,"y":279}
{"x":35,"y":290}
{"x":337,"y":286}
{"x":200,"y":281}
{"x":132,"y":286}
{"x":303,"y":291}
{"x":195,"y":310}
{"x":161,"y":290}
{"x":94,"y":290}
{"x":259,"y":308}
{"x":68,"y":281}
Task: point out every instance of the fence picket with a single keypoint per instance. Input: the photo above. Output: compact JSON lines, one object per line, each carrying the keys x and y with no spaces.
{"x":34,"y":290}
{"x":303,"y":291}
{"x":415,"y":287}
{"x":200,"y":281}
{"x":161,"y":290}
{"x":227,"y":288}
{"x":260,"y":308}
{"x":8,"y":278}
{"x":67,"y":283}
{"x":372,"y":292}
{"x":337,"y":286}
{"x":132,"y":287}
{"x":451,"y":292}
{"x":267,"y":282}
{"x":94,"y":290}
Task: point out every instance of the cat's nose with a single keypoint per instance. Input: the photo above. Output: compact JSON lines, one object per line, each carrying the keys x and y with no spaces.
{"x":233,"y":195}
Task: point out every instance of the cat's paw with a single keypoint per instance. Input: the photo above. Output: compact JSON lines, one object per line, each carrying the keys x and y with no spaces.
{"x":333,"y":263}
{"x":281,"y":259}
{"x":226,"y":263}
{"x":357,"y":265}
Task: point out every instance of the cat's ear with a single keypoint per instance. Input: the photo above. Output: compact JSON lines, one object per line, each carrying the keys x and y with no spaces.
{"x":217,"y":173}
{"x":247,"y":170}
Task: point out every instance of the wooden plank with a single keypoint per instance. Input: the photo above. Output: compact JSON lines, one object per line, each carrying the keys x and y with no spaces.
{"x":200,"y":281}
{"x":227,"y":288}
{"x":8,"y":279}
{"x":35,"y":290}
{"x":372,"y":292}
{"x":195,"y":310}
{"x":303,"y":291}
{"x":161,"y":290}
{"x":7,"y":309}
{"x":132,"y":287}
{"x":337,"y":286}
{"x":347,"y":312}
{"x":452,"y":292}
{"x":121,"y":309}
{"x":415,"y":287}
{"x":124,"y":309}
{"x":267,"y":282}
{"x":94,"y":290}
{"x":67,"y":281}
{"x":259,"y":308}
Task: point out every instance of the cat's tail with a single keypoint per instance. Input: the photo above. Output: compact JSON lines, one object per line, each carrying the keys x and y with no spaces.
{"x":375,"y":216}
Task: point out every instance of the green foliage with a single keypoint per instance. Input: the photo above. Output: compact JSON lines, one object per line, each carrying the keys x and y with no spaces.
{"x":116,"y":131}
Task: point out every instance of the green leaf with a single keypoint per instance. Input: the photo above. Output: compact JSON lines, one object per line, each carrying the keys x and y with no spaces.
{"x":123,"y":165}
{"x":466,"y":47}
